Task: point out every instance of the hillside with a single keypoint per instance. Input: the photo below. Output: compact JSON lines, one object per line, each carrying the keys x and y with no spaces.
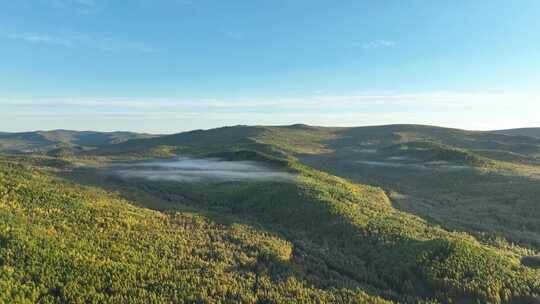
{"x":531,"y":132}
{"x":302,"y":139}
{"x":317,"y":239}
{"x":193,"y":142}
{"x":429,"y":217}
{"x":430,"y":153}
{"x":449,"y":177}
{"x":45,"y":141}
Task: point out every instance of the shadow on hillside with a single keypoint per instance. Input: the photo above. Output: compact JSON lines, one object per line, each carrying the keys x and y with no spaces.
{"x":329,"y":252}
{"x":389,"y":134}
{"x":487,"y":204}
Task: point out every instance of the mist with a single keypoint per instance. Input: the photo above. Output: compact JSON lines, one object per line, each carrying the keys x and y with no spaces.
{"x":434,"y":165}
{"x":199,"y":170}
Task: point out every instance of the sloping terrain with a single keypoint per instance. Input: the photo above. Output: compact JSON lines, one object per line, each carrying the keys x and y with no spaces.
{"x":71,"y":231}
{"x":431,"y":152}
{"x":316,"y":239}
{"x":61,"y":141}
{"x":193,"y":142}
{"x":531,"y":132}
{"x":480,"y":182}
{"x":62,"y":243}
{"x":302,"y":139}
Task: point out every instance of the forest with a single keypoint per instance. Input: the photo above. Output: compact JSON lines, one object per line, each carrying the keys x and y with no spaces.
{"x":72,"y":231}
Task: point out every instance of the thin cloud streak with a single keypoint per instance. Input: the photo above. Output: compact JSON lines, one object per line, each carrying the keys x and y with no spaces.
{"x":173,"y":122}
{"x":45,"y":39}
{"x":473,"y":110}
{"x":377,"y":44}
{"x":79,"y":41}
{"x":77,"y":5}
{"x":432,"y":100}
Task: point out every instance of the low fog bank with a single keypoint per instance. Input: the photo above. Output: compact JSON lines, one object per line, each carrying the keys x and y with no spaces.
{"x":435,"y":165}
{"x":196,"y":170}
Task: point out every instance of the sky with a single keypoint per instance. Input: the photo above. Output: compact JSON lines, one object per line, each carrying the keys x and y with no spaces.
{"x":165,"y":66}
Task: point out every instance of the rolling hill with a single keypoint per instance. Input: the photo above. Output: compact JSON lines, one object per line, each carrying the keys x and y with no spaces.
{"x":389,"y":214}
{"x":531,"y":132}
{"x":45,"y":141}
{"x":317,"y":239}
{"x":447,"y":176}
{"x":303,"y":139}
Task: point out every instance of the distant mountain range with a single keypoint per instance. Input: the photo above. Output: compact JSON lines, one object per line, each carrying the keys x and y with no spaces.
{"x":44,"y":141}
{"x":342,"y":142}
{"x":521,"y":145}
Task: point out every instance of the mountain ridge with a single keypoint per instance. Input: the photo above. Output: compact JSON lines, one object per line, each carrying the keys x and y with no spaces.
{"x":44,"y":141}
{"x":531,"y":132}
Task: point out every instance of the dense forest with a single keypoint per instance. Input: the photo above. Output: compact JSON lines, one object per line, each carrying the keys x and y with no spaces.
{"x":371,"y":233}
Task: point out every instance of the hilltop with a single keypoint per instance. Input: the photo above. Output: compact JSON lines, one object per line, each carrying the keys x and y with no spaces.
{"x":303,"y":139}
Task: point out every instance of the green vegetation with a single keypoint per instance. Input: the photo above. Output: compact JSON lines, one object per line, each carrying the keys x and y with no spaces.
{"x":62,"y":243}
{"x":530,"y":132}
{"x":494,"y":200}
{"x":196,"y":142}
{"x":531,"y":261}
{"x":62,"y":142}
{"x":299,"y":139}
{"x":469,"y":234}
{"x":434,"y":152}
{"x":319,"y":239}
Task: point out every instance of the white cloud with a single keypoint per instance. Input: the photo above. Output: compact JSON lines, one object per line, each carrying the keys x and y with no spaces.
{"x":377,"y":44}
{"x":440,"y":101}
{"x":113,"y":45}
{"x":172,"y":122}
{"x":45,"y":39}
{"x":78,"y":40}
{"x":469,"y":110}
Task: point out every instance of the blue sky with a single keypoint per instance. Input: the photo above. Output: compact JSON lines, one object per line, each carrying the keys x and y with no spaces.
{"x":171,"y":65}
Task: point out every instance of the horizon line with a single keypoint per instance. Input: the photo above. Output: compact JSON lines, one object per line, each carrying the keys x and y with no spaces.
{"x":262,"y":126}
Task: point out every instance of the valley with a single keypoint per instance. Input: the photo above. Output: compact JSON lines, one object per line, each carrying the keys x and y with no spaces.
{"x":391,"y":214}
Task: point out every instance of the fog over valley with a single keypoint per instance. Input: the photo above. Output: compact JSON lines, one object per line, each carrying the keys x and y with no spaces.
{"x":199,"y":169}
